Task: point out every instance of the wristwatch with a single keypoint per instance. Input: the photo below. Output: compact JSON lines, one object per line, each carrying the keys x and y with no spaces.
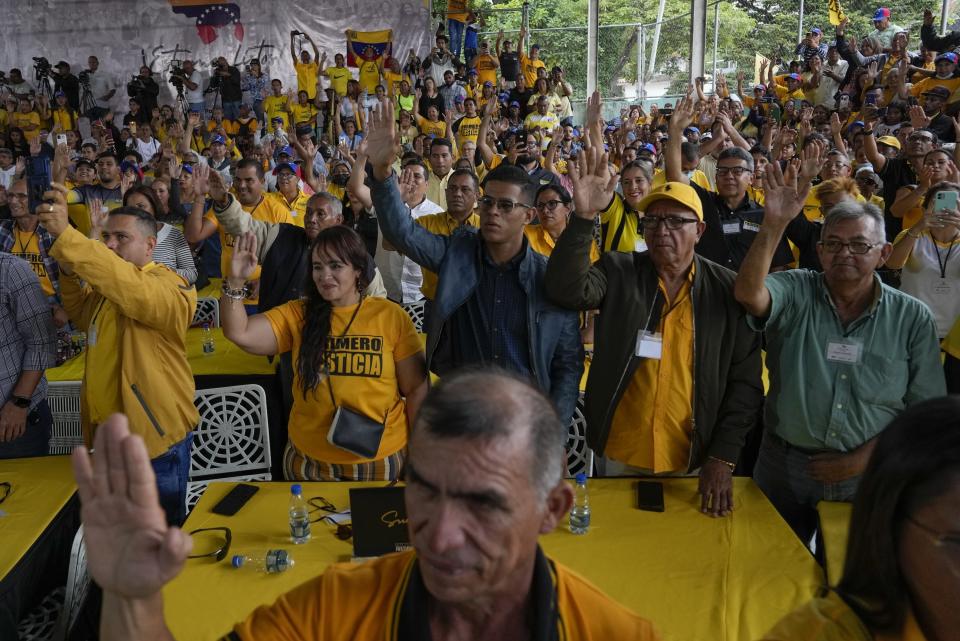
{"x":20,"y":401}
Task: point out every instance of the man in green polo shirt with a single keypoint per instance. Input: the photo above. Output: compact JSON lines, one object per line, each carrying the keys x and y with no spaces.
{"x":845,"y":352}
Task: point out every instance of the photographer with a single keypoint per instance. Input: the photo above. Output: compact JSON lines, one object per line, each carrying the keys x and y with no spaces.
{"x":226,"y":78}
{"x":190,"y":80}
{"x":144,"y":89}
{"x":101,"y":86}
{"x":68,"y":83}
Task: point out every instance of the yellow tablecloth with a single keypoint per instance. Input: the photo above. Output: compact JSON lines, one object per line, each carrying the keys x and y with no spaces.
{"x":228,"y":359}
{"x":212,"y":290}
{"x":697,"y":578}
{"x":40,"y":489}
{"x":834,"y":525}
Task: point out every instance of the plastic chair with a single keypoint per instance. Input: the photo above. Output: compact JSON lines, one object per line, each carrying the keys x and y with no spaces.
{"x":416,"y":312}
{"x":232,"y":441}
{"x":56,"y":615}
{"x":64,"y":400}
{"x":579,"y":456}
{"x":208,"y":311}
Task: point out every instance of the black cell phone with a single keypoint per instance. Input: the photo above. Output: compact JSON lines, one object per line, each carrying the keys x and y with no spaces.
{"x":235,"y":499}
{"x":666,"y":112}
{"x":650,"y":496}
{"x":38,"y":180}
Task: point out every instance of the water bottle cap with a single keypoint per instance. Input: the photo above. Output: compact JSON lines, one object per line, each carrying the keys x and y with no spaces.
{"x":237,"y":560}
{"x":296,"y":489}
{"x":206,"y":325}
{"x":581,"y":477}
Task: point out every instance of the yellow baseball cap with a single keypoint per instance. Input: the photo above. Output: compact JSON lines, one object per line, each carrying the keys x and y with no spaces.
{"x":890,"y":141}
{"x":679,"y":193}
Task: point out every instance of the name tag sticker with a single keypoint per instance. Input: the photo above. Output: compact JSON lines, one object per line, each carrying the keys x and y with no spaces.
{"x":731,"y":228}
{"x":649,"y":345}
{"x":839,"y":351}
{"x":751,"y":226}
{"x":640,"y":246}
{"x":942,"y":288}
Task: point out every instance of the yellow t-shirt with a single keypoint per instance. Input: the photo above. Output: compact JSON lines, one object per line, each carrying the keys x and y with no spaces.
{"x":297,"y":209}
{"x":697,"y":178}
{"x":363,"y":374}
{"x":535,"y":121}
{"x":437,"y":128}
{"x":543,"y":243}
{"x":811,"y":206}
{"x":391,"y":82}
{"x":338,"y":77}
{"x":486,"y":66}
{"x":653,"y":423}
{"x":269,"y":210}
{"x":528,"y":67}
{"x":368,"y":76}
{"x":468,"y":129}
{"x":307,"y":78}
{"x":617,"y":217}
{"x":442,"y":224}
{"x":457,"y":10}
{"x":952,"y":84}
{"x":274,"y":107}
{"x":21,"y":120}
{"x":26,"y":245}
{"x":303,"y":113}
{"x":64,"y":118}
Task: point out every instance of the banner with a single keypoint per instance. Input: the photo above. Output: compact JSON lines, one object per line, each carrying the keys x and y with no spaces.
{"x":836,"y":12}
{"x":163,"y":33}
{"x":381,"y":42}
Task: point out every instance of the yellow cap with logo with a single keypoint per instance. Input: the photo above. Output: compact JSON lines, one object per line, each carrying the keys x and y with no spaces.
{"x":680,"y":193}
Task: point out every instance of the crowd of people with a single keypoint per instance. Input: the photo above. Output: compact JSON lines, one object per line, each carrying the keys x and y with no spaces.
{"x":761,"y":281}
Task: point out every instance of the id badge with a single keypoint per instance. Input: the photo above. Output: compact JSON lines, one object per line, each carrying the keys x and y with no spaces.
{"x":640,"y":246}
{"x":731,"y":228}
{"x":844,"y":351}
{"x":649,"y":344}
{"x":942,"y":288}
{"x":751,"y":226}
{"x":92,"y":336}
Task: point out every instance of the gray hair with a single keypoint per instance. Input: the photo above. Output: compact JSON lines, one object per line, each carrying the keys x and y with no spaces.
{"x":490,"y":403}
{"x":853,"y":210}
{"x":739,"y":154}
{"x":335,"y":203}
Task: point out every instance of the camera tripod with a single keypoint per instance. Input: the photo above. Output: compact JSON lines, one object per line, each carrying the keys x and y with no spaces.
{"x":43,"y":82}
{"x":87,"y":102}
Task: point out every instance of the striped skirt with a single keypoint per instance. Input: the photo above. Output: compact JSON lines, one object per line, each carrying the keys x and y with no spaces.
{"x":297,"y":466}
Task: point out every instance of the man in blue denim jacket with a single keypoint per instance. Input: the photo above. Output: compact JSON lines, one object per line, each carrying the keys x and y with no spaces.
{"x":490,"y":305}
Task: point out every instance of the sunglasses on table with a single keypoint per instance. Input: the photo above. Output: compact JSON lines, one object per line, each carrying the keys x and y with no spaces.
{"x":217,"y":538}
{"x":319,"y":504}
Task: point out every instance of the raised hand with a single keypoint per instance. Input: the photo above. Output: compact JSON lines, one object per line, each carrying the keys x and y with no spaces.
{"x":244,"y":259}
{"x":812,"y":158}
{"x":682,"y":115}
{"x":127,"y":180}
{"x":918,"y":118}
{"x":193,"y":119}
{"x":131,"y":551}
{"x":593,"y":182}
{"x":217,"y":186}
{"x":383,"y":142}
{"x":927,"y":18}
{"x":784,"y":199}
{"x":98,"y":217}
{"x":201,"y":179}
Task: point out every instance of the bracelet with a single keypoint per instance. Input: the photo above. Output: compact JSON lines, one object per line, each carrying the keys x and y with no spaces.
{"x":240,"y":293}
{"x":732,"y":466}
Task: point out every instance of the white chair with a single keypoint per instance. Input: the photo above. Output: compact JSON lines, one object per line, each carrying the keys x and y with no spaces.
{"x":579,"y":456}
{"x":415,"y":311}
{"x":208,"y":311}
{"x":56,"y":615}
{"x":64,"y":400}
{"x":232,"y":441}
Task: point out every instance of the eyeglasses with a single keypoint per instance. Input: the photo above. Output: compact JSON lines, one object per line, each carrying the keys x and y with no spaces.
{"x":672,"y":222}
{"x":502,"y":204}
{"x":916,"y":137}
{"x":735,"y":171}
{"x":855,"y":247}
{"x":205,"y":542}
{"x":836,"y":164}
{"x":549,"y":205}
{"x":317,"y":503}
{"x":6,"y":487}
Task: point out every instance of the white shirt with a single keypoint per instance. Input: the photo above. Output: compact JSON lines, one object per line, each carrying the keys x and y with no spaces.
{"x":148,"y":149}
{"x":6,"y":176}
{"x":828,"y":86}
{"x":411,"y":277}
{"x":921,"y":279}
{"x":193,"y":95}
{"x":100,"y":85}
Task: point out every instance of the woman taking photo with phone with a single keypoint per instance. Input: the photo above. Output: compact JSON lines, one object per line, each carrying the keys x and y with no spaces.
{"x":359,"y":371}
{"x":929,"y":255}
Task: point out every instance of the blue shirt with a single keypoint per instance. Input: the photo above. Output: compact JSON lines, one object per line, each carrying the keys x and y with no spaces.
{"x":822,"y":400}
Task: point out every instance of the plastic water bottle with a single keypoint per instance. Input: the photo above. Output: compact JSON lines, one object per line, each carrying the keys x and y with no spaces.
{"x":580,"y":513}
{"x":299,"y":516}
{"x":209,"y":347}
{"x":273,"y":562}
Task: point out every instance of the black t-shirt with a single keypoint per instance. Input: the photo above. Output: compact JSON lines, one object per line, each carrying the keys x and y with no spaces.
{"x":509,"y":66}
{"x":896,"y":173}
{"x":523,"y":97}
{"x":729,"y":234}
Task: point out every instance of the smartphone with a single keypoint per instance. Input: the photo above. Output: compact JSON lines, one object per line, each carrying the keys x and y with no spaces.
{"x":798,"y":105}
{"x":235,"y":499}
{"x":945,"y":201}
{"x":650,"y":496}
{"x":61,"y":139}
{"x":666,"y":113}
{"x":871,"y":99}
{"x":38,"y":180}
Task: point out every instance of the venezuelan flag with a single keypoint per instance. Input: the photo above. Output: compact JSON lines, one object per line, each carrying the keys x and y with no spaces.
{"x":357,"y":42}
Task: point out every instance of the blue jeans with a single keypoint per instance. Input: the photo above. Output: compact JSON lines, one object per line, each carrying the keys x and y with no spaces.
{"x":781,"y":472}
{"x":455,"y":31}
{"x":35,"y":440}
{"x":172,"y":469}
{"x":198,"y":107}
{"x":231,"y":110}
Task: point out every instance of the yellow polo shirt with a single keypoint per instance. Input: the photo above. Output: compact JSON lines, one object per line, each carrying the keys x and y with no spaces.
{"x":528,"y":67}
{"x":338,"y":77}
{"x":297,"y":209}
{"x":486,"y":67}
{"x":618,"y":217}
{"x":369,"y":76}
{"x":275,"y":107}
{"x":442,"y":224}
{"x":307,"y":78}
{"x":653,"y":424}
{"x":543,"y":243}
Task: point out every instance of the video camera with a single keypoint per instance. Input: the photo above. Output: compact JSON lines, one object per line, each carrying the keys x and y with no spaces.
{"x":42,"y":67}
{"x":135,"y":87}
